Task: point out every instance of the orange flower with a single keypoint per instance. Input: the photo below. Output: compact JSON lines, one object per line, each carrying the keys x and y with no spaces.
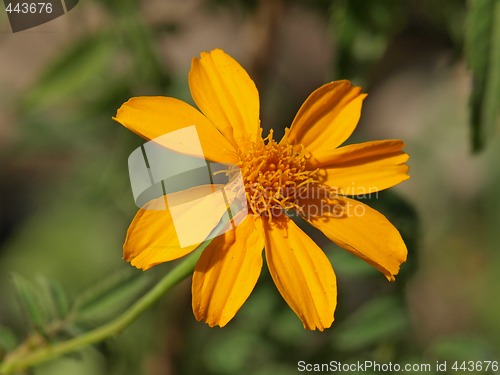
{"x":306,"y":173}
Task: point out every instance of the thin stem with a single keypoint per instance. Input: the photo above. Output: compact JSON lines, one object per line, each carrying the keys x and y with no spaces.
{"x":179,"y":273}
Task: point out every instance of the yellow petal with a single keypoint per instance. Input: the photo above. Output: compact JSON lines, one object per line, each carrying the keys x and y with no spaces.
{"x":152,"y":237}
{"x":153,"y":116}
{"x":363,"y":168}
{"x":328,"y":116}
{"x":226,"y":94}
{"x":302,"y":273}
{"x":227,"y":272}
{"x":361,"y":230}
{"x":151,"y":240}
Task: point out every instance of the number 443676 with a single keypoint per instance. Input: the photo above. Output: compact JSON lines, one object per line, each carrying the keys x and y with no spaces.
{"x":29,"y":8}
{"x":475,"y":366}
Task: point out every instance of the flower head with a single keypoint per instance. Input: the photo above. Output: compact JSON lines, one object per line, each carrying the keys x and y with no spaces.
{"x":306,"y":172}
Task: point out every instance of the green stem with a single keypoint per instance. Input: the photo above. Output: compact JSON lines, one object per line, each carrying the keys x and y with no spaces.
{"x":179,"y":273}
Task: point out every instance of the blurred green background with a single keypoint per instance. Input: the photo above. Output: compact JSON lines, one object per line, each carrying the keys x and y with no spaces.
{"x":66,"y":202}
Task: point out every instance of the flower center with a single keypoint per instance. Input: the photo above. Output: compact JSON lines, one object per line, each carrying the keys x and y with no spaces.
{"x":275,"y":176}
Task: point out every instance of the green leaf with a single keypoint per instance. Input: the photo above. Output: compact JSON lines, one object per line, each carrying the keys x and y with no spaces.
{"x":241,"y":347}
{"x":348,"y":265}
{"x":85,"y":66}
{"x":111,"y":296}
{"x":482,"y":52}
{"x":362,"y":30}
{"x":30,"y":302}
{"x":57,"y":303}
{"x":140,"y":43}
{"x":380,"y":319}
{"x":8,"y":340}
{"x":463,"y":348}
{"x":404,"y":217}
{"x":287,"y":328}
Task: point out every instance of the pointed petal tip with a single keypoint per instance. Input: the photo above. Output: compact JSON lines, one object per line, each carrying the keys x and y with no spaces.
{"x":212,"y":51}
{"x":364,"y":167}
{"x":142,"y":266}
{"x":391,"y":275}
{"x":210,"y":320}
{"x":369,"y":236}
{"x":154,"y":116}
{"x":227,"y":272}
{"x":321,"y":326}
{"x":328,"y":116}
{"x":226,"y":94}
{"x":302,"y":273}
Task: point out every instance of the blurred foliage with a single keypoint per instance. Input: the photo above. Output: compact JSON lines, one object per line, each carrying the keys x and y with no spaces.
{"x":85,"y":63}
{"x":80,"y":212}
{"x":482,"y":51}
{"x":362,"y":32}
{"x":52,"y":315}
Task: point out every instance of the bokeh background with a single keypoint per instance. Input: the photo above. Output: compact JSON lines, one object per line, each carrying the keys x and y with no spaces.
{"x":65,"y":198}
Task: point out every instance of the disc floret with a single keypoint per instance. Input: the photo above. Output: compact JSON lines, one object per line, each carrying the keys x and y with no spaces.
{"x":275,"y":176}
